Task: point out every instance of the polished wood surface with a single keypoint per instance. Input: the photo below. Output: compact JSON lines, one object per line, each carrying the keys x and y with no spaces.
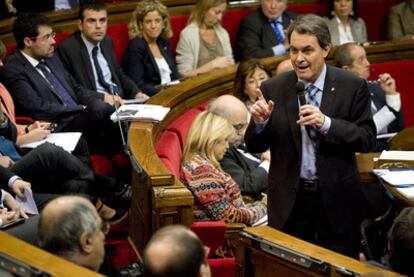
{"x":253,"y":261}
{"x":40,"y":259}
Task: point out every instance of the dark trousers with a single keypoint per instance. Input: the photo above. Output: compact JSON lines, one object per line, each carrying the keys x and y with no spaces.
{"x":308,"y":221}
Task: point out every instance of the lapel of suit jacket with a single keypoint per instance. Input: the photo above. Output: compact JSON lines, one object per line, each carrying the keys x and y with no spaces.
{"x":107,"y":53}
{"x":328,"y":96}
{"x":86,"y":60}
{"x":60,"y":75}
{"x":166,"y":54}
{"x":34,"y":74}
{"x":151,"y":56}
{"x":292,"y":109}
{"x":267,"y":28}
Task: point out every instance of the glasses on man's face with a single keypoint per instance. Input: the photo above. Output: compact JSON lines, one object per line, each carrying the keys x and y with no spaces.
{"x":46,"y":37}
{"x":239,"y":127}
{"x":105,"y":226}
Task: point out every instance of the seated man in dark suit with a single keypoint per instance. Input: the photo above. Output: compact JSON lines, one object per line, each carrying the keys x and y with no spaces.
{"x":42,"y":89}
{"x":263,"y":33}
{"x":89,"y":56}
{"x":248,"y":170}
{"x":386,"y":101}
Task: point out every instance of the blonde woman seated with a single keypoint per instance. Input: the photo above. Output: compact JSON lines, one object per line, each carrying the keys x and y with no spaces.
{"x":204,"y":45}
{"x":216,"y":195}
{"x":148,"y":60}
{"x":249,"y":76}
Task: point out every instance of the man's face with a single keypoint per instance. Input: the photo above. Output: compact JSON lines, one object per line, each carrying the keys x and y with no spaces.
{"x":239,"y":122}
{"x":94,"y":24}
{"x":360,"y":64}
{"x":307,"y":56}
{"x":272,"y":9}
{"x":43,"y":45}
{"x":98,"y":243}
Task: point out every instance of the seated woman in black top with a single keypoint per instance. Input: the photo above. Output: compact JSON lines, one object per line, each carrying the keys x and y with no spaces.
{"x":148,"y":59}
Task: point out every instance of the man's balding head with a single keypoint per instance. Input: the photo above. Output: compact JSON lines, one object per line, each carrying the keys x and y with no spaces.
{"x":70,"y":227}
{"x":175,"y":251}
{"x":234,"y":111}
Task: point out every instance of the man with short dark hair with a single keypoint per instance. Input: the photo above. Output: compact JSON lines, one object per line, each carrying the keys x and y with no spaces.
{"x":70,"y":227}
{"x":175,"y":251}
{"x":386,"y":101}
{"x":42,"y":89}
{"x":263,"y":33}
{"x":314,"y":189}
{"x":89,"y":56}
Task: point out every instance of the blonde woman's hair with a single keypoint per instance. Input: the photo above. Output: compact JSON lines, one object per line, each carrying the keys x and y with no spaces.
{"x":142,"y":9}
{"x":207,"y":130}
{"x":201,"y":8}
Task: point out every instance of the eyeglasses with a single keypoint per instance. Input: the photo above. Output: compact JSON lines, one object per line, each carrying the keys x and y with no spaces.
{"x":240,"y":126}
{"x":46,"y":37}
{"x":105,"y":226}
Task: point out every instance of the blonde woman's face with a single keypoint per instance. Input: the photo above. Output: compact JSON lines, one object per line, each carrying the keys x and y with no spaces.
{"x":214,"y":15}
{"x":220,"y":148}
{"x":253,"y":82}
{"x":152,"y":25}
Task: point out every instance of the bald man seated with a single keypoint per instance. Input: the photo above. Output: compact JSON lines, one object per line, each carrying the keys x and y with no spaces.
{"x":247,"y":169}
{"x":175,"y":251}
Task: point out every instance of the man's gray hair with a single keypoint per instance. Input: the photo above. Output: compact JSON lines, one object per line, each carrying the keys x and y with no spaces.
{"x":313,"y":25}
{"x":342,"y":55}
{"x":61,"y":237}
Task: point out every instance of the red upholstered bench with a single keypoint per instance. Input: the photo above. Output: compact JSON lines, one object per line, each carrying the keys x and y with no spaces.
{"x":398,"y":70}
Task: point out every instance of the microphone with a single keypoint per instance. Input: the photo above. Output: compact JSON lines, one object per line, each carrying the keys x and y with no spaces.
{"x":300,"y":92}
{"x":125,"y":146}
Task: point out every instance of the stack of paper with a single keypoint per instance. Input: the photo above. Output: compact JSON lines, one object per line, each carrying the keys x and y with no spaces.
{"x":398,"y":177}
{"x":66,"y":140}
{"x":140,"y":112}
{"x":397,"y":155}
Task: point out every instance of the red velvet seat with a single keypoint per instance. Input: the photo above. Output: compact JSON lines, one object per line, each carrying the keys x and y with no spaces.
{"x":169,"y":149}
{"x":182,"y":124}
{"x":399,"y":70}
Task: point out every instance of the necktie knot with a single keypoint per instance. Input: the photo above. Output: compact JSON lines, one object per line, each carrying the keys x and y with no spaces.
{"x":95,"y":51}
{"x":279,"y":34}
{"x":312,"y":92}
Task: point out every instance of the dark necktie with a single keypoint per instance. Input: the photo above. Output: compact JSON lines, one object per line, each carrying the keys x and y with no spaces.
{"x":98,"y":68}
{"x":313,"y":100}
{"x":56,"y":85}
{"x":7,"y":148}
{"x":280,"y":37}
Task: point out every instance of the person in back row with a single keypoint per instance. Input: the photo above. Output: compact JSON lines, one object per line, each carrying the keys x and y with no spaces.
{"x":385,"y":100}
{"x":204,"y":45}
{"x":148,"y":60}
{"x":89,"y":56}
{"x":42,"y":89}
{"x":216,"y":195}
{"x":263,"y":33}
{"x":400,"y":21}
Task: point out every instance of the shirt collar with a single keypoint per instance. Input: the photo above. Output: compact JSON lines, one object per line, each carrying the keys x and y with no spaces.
{"x":88,"y":44}
{"x":320,"y":81}
{"x":31,"y":60}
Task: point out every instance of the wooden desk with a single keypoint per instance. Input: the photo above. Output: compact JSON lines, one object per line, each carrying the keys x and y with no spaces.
{"x":40,"y":259}
{"x":253,"y":261}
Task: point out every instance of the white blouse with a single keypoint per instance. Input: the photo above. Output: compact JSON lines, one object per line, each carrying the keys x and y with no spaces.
{"x":165,"y":70}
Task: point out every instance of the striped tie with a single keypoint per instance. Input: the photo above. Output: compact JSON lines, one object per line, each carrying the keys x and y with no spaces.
{"x":313,"y":100}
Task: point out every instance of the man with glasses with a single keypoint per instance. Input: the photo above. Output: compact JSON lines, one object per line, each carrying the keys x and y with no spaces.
{"x":248,"y":170}
{"x":263,"y":33}
{"x":42,"y":88}
{"x":89,"y":56}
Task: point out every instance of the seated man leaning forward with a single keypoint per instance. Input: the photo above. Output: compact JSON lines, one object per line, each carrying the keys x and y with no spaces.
{"x":248,"y":170}
{"x":216,"y":195}
{"x":385,"y":100}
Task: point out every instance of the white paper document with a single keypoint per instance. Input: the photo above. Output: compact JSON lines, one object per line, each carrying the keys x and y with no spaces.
{"x":67,"y":141}
{"x":29,"y":204}
{"x":397,"y":155}
{"x":140,"y":112}
{"x":407,"y":192}
{"x":261,"y":222}
{"x":386,"y":136}
{"x":397,"y":177}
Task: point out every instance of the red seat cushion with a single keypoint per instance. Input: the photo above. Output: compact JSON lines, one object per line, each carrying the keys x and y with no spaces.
{"x":225,"y":267}
{"x":178,"y":22}
{"x":231,"y":22}
{"x":398,"y":70}
{"x":211,"y":233}
{"x":101,"y":165}
{"x":319,"y":9}
{"x":119,"y":34}
{"x":181,"y":125}
{"x":169,"y":147}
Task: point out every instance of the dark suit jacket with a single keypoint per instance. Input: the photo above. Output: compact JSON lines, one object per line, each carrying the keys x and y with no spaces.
{"x":74,"y":56}
{"x":346,"y":101}
{"x":378,"y":98}
{"x":140,"y":65}
{"x":33,"y":95}
{"x":251,"y":178}
{"x":256,"y":36}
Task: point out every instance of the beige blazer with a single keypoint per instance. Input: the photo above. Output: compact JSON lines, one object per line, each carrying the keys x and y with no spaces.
{"x":401,"y":21}
{"x":358,"y":30}
{"x":188,"y":46}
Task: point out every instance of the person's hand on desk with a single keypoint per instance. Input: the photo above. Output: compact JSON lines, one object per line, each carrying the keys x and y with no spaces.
{"x":6,"y":217}
{"x":311,"y":116}
{"x":18,"y":187}
{"x":142,"y":95}
{"x":261,"y":110}
{"x":13,"y":206}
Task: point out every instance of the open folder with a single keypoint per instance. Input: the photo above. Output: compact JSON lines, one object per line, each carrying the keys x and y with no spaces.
{"x":140,"y":112}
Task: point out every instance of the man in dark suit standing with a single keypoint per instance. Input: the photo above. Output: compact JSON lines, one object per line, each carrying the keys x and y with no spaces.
{"x":89,"y":56}
{"x":314,"y":189}
{"x":42,"y":88}
{"x":386,"y":101}
{"x":262,"y":33}
{"x":249,"y":171}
